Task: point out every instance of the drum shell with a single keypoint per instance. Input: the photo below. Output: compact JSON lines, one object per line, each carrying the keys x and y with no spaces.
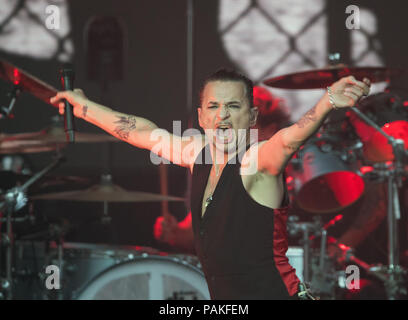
{"x":323,"y":182}
{"x":30,"y":260}
{"x":149,"y":277}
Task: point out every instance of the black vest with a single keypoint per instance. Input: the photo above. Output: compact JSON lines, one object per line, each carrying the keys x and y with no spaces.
{"x":238,"y":239}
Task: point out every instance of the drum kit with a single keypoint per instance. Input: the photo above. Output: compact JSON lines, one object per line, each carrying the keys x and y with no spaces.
{"x":323,"y":177}
{"x":327,"y":175}
{"x":86,"y":271}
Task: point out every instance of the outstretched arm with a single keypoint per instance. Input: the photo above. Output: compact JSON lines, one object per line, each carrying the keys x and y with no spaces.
{"x":274,"y":154}
{"x":134,"y":130}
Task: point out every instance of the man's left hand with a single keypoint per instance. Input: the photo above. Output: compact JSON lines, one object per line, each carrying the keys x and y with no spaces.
{"x":348,"y":90}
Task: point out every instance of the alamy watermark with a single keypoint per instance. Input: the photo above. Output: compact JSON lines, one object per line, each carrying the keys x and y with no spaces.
{"x":53,"y":19}
{"x":183,"y":147}
{"x":350,"y":279}
{"x":353,"y":20}
{"x":53,"y":280}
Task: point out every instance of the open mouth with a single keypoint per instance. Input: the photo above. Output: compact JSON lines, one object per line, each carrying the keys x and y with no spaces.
{"x":224,"y":134}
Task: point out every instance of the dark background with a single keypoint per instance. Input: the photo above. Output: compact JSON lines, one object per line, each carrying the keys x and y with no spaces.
{"x":153,"y":86}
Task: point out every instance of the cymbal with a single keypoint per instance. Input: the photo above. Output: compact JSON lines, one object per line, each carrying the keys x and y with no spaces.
{"x":11,"y":178}
{"x":57,"y":135}
{"x":322,"y":78}
{"x":48,"y":139}
{"x":27,"y":82}
{"x":27,"y":146}
{"x":106,"y":192}
{"x":54,"y":181}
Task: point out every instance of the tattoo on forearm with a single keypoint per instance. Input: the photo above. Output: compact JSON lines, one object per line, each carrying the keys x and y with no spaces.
{"x":310,"y":116}
{"x":125,"y":125}
{"x":84,"y":111}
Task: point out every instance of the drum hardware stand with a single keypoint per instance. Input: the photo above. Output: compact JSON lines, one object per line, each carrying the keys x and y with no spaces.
{"x":10,"y":199}
{"x":61,"y":265}
{"x":394,"y":279}
{"x":6,"y":112}
{"x":349,"y":257}
{"x":305,"y":228}
{"x":323,"y":280}
{"x":106,"y":218}
{"x":56,"y":235}
{"x":106,"y":179}
{"x":323,"y":242}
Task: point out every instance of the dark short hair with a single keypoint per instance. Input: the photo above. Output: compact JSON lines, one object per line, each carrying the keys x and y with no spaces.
{"x":230,"y":75}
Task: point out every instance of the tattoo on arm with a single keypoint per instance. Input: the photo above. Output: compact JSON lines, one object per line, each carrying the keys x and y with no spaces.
{"x":125,"y":125}
{"x":84,"y":111}
{"x":310,"y":116}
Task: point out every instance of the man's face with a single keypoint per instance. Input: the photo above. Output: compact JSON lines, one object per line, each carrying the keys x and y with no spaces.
{"x":225,"y":114}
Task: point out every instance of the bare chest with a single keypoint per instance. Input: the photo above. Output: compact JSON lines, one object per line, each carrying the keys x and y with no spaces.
{"x":212,"y":182}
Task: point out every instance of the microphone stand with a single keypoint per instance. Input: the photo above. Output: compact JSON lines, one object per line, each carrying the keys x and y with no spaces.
{"x":394,"y":281}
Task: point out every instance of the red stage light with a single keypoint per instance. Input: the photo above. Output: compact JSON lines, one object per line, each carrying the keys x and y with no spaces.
{"x":16,"y":75}
{"x":343,"y":247}
{"x":366,"y":169}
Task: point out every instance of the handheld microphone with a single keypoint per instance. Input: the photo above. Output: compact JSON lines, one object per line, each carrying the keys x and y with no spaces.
{"x":67,"y":83}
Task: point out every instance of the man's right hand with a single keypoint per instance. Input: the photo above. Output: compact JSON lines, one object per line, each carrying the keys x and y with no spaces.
{"x":76,"y":98}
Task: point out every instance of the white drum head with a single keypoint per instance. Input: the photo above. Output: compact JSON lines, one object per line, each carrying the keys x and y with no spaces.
{"x":150,"y":278}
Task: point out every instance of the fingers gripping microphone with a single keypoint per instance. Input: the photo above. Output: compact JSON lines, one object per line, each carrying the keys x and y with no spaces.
{"x":67,"y":83}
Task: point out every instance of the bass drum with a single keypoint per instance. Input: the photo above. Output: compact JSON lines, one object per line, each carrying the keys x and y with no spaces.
{"x":149,"y":277}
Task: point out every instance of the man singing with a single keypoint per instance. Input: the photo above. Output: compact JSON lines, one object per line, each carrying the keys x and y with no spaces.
{"x":239,"y":200}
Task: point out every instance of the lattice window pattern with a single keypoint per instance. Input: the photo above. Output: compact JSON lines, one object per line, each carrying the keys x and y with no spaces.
{"x":267,"y":38}
{"x":23,"y":29}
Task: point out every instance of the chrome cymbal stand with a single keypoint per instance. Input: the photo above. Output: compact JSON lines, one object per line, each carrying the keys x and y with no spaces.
{"x":9,"y":199}
{"x":6,"y":284}
{"x":7,"y":112}
{"x":307,"y":230}
{"x":394,"y":284}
